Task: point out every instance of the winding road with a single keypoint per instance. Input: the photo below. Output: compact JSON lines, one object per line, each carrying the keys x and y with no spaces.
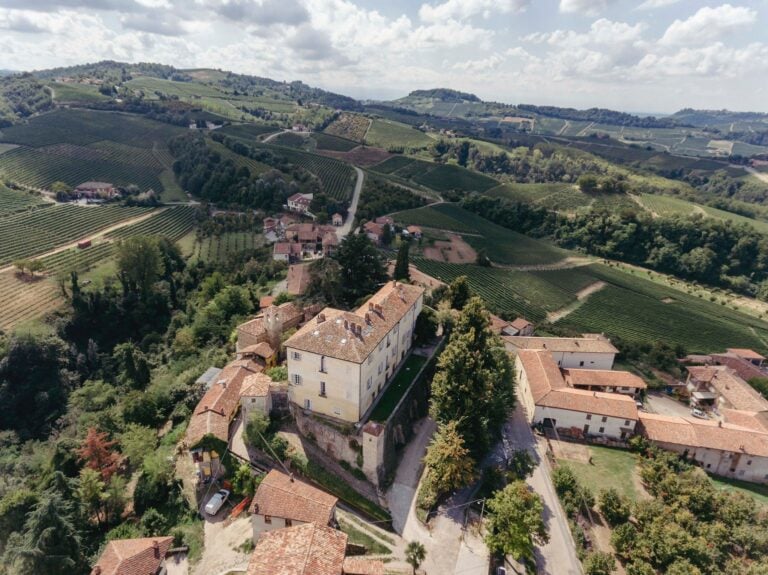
{"x":344,"y":230}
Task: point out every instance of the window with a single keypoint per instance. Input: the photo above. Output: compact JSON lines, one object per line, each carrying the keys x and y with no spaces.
{"x":307,"y":404}
{"x":296,"y":356}
{"x":288,"y":523}
{"x":381,"y":367}
{"x":586,"y":429}
{"x":370,"y":359}
{"x":394,"y":351}
{"x":589,"y":416}
{"x":388,"y":341}
{"x":322,"y":364}
{"x":322,"y":388}
{"x":296,"y":379}
{"x":626,"y":423}
{"x":267,"y":519}
{"x":749,"y":462}
{"x":369,"y":382}
{"x":602,"y":430}
{"x":604,"y":419}
{"x":253,"y":400}
{"x":581,"y":364}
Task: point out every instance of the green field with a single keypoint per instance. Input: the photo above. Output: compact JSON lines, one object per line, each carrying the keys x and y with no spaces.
{"x":668,"y":206}
{"x":333,"y":143}
{"x":389,"y":134}
{"x":218,"y":248}
{"x":439,"y":177}
{"x":173,"y":223}
{"x":77,"y":93}
{"x":559,"y":197}
{"x":254,"y":166}
{"x":609,"y":468}
{"x":28,"y":234}
{"x":12,"y":201}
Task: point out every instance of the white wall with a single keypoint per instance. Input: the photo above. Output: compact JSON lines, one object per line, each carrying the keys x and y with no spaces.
{"x":611,"y":426}
{"x":745,"y":467}
{"x":260,"y":526}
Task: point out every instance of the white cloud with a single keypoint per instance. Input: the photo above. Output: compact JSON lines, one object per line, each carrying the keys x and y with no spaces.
{"x":465,"y":9}
{"x":653,"y":4}
{"x":708,"y":24}
{"x":492,"y":62}
{"x":586,"y":7}
{"x":712,"y":61}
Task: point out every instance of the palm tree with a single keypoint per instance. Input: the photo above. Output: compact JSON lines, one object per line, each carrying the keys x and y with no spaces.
{"x":415,"y":554}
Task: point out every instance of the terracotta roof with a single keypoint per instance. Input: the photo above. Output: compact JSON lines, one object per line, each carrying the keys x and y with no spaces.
{"x":736,"y":392}
{"x":413,"y":229}
{"x":548,"y":388}
{"x":298,"y":279}
{"x":745,"y":353}
{"x":261,"y":349}
{"x":497,"y":324}
{"x":288,"y":310}
{"x":266,"y":301}
{"x":385,"y":220}
{"x":756,"y":420}
{"x":280,"y":496}
{"x":287,"y":249}
{"x":133,"y":556}
{"x":602,"y":378}
{"x":521,"y":323}
{"x":697,"y":433}
{"x":373,"y":228}
{"x":360,"y":566}
{"x":300,"y":198}
{"x":746,"y":370}
{"x":330,"y":239}
{"x":303,"y":550}
{"x":560,"y":344}
{"x":256,"y":385}
{"x":331,"y":331}
{"x":215,"y":410}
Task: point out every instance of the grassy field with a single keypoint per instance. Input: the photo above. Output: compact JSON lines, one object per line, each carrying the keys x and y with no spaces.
{"x":12,"y":201}
{"x":609,"y":468}
{"x":83,"y":93}
{"x":439,"y":177}
{"x":560,"y":197}
{"x":389,"y":134}
{"x":668,"y":206}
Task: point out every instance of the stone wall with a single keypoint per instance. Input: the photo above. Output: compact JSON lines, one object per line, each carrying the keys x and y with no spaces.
{"x":339,"y":443}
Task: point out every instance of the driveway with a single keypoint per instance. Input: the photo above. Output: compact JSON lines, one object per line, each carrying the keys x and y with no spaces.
{"x":223,"y":539}
{"x":665,"y":405}
{"x":558,"y":557}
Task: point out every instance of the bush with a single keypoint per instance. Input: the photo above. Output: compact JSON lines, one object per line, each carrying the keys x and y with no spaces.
{"x":150,"y":492}
{"x":153,"y":523}
{"x":614,"y":507}
{"x":597,"y":563}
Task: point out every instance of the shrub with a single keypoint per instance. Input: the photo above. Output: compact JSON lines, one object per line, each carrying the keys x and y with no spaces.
{"x":597,"y":563}
{"x":614,"y":507}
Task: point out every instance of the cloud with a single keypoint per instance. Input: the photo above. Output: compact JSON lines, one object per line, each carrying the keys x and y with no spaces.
{"x":712,"y":61}
{"x":653,"y":4}
{"x":262,"y":12}
{"x":17,"y":21}
{"x":50,"y":5}
{"x":707,"y":24}
{"x":314,"y":45}
{"x":492,"y":62}
{"x":164,"y":24}
{"x":466,"y":9}
{"x":586,"y":7}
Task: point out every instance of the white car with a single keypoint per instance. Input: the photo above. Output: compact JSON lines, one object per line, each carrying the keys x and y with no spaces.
{"x":696,"y":412}
{"x":215,"y":503}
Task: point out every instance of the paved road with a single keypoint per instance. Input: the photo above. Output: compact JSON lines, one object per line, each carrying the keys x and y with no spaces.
{"x":558,"y":557}
{"x":344,"y":230}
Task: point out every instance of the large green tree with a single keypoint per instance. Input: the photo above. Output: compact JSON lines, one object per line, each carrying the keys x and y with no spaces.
{"x":515,"y":521}
{"x":139,"y":263}
{"x":363,"y":267}
{"x":448,"y":462}
{"x":402,"y":271}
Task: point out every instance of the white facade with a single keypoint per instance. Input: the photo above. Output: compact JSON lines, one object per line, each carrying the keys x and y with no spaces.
{"x":724,"y":463}
{"x":588,"y":423}
{"x":264,"y":523}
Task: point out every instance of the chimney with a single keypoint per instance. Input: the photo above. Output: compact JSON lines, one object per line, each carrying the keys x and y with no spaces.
{"x":291,"y":477}
{"x":367,"y":318}
{"x":359,"y":331}
{"x":370,"y":306}
{"x":346,"y":325}
{"x":156,"y":548}
{"x":719,"y":423}
{"x":96,"y":570}
{"x":320,"y":318}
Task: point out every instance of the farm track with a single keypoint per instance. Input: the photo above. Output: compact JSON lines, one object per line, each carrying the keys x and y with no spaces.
{"x":101,"y":233}
{"x":581,"y":297}
{"x":565,"y":264}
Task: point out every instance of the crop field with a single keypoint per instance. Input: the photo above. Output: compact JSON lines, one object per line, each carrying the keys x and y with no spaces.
{"x":432,"y":217}
{"x":389,"y":134}
{"x":333,"y":143}
{"x":22,"y":300}
{"x":219,"y":248}
{"x":350,"y":126}
{"x":173,"y":223}
{"x":337,"y":178}
{"x":290,"y":140}
{"x":254,"y":166}
{"x":83,"y":127}
{"x":31,"y":233}
{"x":77,"y":93}
{"x":73,"y":165}
{"x":668,"y":206}
{"x":439,"y":177}
{"x":560,"y":197}
{"x":12,"y":201}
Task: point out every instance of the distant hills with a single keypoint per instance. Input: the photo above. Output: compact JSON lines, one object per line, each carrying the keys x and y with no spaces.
{"x":445,"y":95}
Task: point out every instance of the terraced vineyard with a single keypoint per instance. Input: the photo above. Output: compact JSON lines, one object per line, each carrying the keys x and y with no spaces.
{"x":439,"y":177}
{"x":389,"y":134}
{"x":173,"y":223}
{"x":22,"y":300}
{"x":336,"y":177}
{"x":31,"y":233}
{"x":333,"y":143}
{"x":219,"y":248}
{"x":12,"y":201}
{"x":349,"y":126}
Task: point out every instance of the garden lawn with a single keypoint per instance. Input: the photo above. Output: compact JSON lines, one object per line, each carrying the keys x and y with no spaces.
{"x":397,"y":388}
{"x":609,"y":468}
{"x":758,"y":492}
{"x":359,"y":537}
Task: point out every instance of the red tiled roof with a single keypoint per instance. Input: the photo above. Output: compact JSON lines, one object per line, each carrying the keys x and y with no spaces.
{"x":261,"y":349}
{"x":287,"y":249}
{"x":256,"y":385}
{"x":373,"y":228}
{"x":298,"y":279}
{"x":133,"y":556}
{"x":745,"y":353}
{"x":602,"y":378}
{"x":521,"y":323}
{"x":361,"y":566}
{"x":303,"y":550}
{"x":279,"y":495}
{"x":266,"y":301}
{"x":736,"y":392}
{"x":560,"y":344}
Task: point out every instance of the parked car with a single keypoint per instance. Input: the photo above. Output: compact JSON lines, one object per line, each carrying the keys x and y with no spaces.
{"x":216,"y":502}
{"x":501,"y":571}
{"x":696,"y":412}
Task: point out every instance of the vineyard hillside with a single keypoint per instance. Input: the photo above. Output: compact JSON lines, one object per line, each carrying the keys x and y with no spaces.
{"x":439,"y":177}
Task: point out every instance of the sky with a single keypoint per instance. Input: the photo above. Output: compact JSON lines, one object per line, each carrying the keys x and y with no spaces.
{"x":645,"y":56}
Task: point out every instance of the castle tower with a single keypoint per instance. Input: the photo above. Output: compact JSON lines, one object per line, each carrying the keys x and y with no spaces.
{"x":273,"y":325}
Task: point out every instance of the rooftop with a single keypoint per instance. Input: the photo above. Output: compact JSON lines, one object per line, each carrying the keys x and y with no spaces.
{"x":132,"y":556}
{"x":261,"y":349}
{"x":288,"y":311}
{"x":256,"y":385}
{"x":595,"y":344}
{"x":303,"y":550}
{"x":298,"y":278}
{"x":352,"y":336}
{"x":280,"y":495}
{"x":95,"y":186}
{"x":737,"y":393}
{"x":745,"y":353}
{"x":521,"y":323}
{"x":602,"y":378}
{"x":211,"y":374}
{"x":362,"y":566}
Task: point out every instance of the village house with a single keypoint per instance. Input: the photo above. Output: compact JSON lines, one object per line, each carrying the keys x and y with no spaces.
{"x":337,"y":219}
{"x":520,"y":326}
{"x":549,"y":401}
{"x":261,"y":353}
{"x":144,"y":556}
{"x":414,"y":232}
{"x":308,"y":549}
{"x":99,"y":190}
{"x":305,"y":240}
{"x":605,"y":380}
{"x":720,"y":448}
{"x":718,"y":387}
{"x":374,"y":231}
{"x":255,"y":396}
{"x":287,"y":252}
{"x":591,"y":351}
{"x":385,"y":221}
{"x":330,"y":243}
{"x":283,"y":501}
{"x":340,"y":361}
{"x":300,"y":203}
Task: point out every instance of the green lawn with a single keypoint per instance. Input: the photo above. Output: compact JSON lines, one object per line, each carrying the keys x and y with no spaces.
{"x":609,"y":468}
{"x":359,"y":537}
{"x":385,"y":134}
{"x":758,"y":492}
{"x":395,"y":391}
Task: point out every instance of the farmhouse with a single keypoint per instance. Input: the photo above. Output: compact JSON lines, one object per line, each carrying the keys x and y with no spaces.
{"x":103,"y":190}
{"x":519,"y":326}
{"x":591,"y":351}
{"x":283,"y":501}
{"x":385,"y":221}
{"x":414,"y":232}
{"x":549,"y":401}
{"x":145,"y":556}
{"x":604,"y":380}
{"x":286,"y":252}
{"x":374,"y":232}
{"x":721,"y":448}
{"x":300,"y":203}
{"x":337,"y":219}
{"x":340,"y":361}
{"x":720,"y":387}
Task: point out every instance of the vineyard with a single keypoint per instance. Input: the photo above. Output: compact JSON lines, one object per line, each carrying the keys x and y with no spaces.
{"x":389,"y":134}
{"x":254,"y":167}
{"x":12,"y":201}
{"x":30,"y":233}
{"x":172,"y":223}
{"x":432,"y":217}
{"x":248,"y":131}
{"x":560,"y":197}
{"x":439,"y":177}
{"x":349,"y":126}
{"x":21,"y":301}
{"x":336,"y":177}
{"x":333,"y":143}
{"x":219,"y":247}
